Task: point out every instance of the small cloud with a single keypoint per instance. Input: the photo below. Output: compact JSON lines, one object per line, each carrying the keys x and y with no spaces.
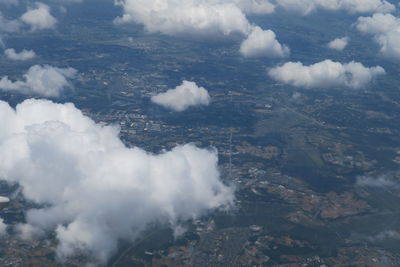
{"x":255,"y":6}
{"x":23,"y":55}
{"x":263,"y":43}
{"x":44,"y":80}
{"x":339,"y":43}
{"x":178,"y":231}
{"x":325,"y":74}
{"x":182,"y":97}
{"x":3,"y":228}
{"x":296,"y":96}
{"x":384,"y":235}
{"x":39,"y":18}
{"x":381,"y":181}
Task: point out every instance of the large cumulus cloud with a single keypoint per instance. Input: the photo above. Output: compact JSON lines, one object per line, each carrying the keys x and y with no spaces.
{"x":40,"y":80}
{"x":94,"y":190}
{"x":182,"y":97}
{"x":198,"y":17}
{"x":325,"y":74}
{"x":386,"y":31}
{"x":182,"y":17}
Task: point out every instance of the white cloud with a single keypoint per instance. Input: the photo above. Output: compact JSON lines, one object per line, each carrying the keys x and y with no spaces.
{"x":339,"y":43}
{"x":263,"y":43}
{"x":384,"y":235}
{"x":182,"y":17}
{"x":97,"y":191}
{"x":325,"y":74}
{"x":254,"y":6}
{"x":200,"y":17}
{"x":381,"y":181}
{"x":39,"y":18}
{"x":386,"y":31}
{"x":23,"y":55}
{"x":352,"y":6}
{"x":182,"y":97}
{"x":44,"y":80}
{"x":3,"y":228}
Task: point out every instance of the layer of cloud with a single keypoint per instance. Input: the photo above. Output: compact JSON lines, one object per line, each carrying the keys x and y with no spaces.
{"x":204,"y":17}
{"x":352,"y":6}
{"x":23,"y":55}
{"x":94,"y":190}
{"x":339,"y":43}
{"x":182,"y":97}
{"x":44,"y":80}
{"x":386,"y":31}
{"x":325,"y":74}
{"x":39,"y":17}
{"x":263,"y":43}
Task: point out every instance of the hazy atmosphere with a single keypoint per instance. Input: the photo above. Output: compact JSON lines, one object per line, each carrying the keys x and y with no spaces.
{"x":200,"y":133}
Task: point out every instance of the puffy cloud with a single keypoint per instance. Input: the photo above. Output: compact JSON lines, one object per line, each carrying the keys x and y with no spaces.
{"x":263,"y":43}
{"x":386,"y":31}
{"x":44,"y":80}
{"x":94,"y":190}
{"x":339,"y":43}
{"x":39,"y":18}
{"x":352,"y":6}
{"x":186,"y":95}
{"x":325,"y":74}
{"x":23,"y":55}
{"x":181,"y":17}
{"x":203,"y":17}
